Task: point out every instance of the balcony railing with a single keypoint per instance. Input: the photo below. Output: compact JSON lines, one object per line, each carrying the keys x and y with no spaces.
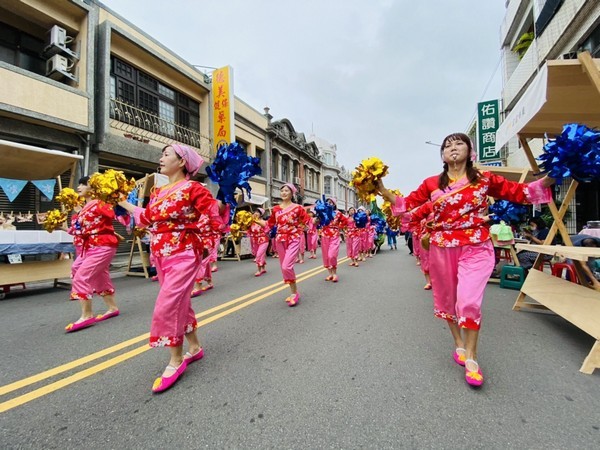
{"x":143,"y":125}
{"x":515,"y":8}
{"x":524,"y":72}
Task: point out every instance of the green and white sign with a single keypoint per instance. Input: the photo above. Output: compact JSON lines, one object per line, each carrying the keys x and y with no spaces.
{"x":488,"y":121}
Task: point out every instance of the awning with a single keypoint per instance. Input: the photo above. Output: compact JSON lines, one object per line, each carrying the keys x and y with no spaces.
{"x":560,"y":93}
{"x":255,"y":199}
{"x":27,"y":162}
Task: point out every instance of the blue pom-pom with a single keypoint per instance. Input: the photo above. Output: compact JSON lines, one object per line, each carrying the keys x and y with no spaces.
{"x":506,"y":211}
{"x":273,"y":232}
{"x":360,"y":219}
{"x":379,"y":223}
{"x":231,"y":169}
{"x":574,"y":153}
{"x":131,"y":198}
{"x":324,"y":211}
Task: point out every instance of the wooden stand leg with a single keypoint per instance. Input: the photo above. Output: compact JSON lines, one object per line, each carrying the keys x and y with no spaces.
{"x":519,"y":303}
{"x":592,"y":361}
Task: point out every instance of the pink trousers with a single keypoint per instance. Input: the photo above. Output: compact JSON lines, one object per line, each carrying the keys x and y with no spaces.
{"x":173,"y":315}
{"x":204,"y":272}
{"x":330,"y":249}
{"x":313,"y":241}
{"x":78,"y":260}
{"x":213,"y":251}
{"x":261,"y":253}
{"x":92,"y":274}
{"x":302,"y":247}
{"x":459,"y":276}
{"x":352,"y":246}
{"x":288,"y":254}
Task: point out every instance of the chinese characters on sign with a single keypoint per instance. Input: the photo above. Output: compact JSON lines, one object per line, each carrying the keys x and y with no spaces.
{"x":488,"y":116}
{"x":222,"y":93}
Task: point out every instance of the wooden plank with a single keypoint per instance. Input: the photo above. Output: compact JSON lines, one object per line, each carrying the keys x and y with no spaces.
{"x":592,"y":361}
{"x":590,"y":69}
{"x":574,"y":303}
{"x":577,"y":253}
{"x":35,"y":271}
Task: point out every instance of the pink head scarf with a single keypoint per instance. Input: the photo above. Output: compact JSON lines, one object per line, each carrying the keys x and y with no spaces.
{"x":292,"y":187}
{"x":333,"y":200}
{"x":193,"y":161}
{"x":260,"y":211}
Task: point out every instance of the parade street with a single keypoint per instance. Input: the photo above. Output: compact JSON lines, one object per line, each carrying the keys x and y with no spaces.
{"x":357,"y":364}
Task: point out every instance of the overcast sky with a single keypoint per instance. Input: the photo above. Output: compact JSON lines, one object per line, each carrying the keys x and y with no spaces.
{"x":375,"y":77}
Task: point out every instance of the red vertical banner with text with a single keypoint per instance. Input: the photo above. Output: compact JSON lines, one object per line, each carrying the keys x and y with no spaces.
{"x":223,"y":113}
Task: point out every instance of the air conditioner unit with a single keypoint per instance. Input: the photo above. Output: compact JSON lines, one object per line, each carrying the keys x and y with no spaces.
{"x":57,"y":36}
{"x":59,"y":67}
{"x":296,"y":180}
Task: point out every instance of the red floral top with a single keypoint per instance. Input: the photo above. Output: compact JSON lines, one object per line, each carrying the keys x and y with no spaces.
{"x":351,"y":229}
{"x":332,"y":229}
{"x":93,"y":225}
{"x":459,"y":210}
{"x":311,"y":226}
{"x":77,"y":239}
{"x":258,"y":233}
{"x":173,"y":215}
{"x":290,"y":222}
{"x":419,"y":218}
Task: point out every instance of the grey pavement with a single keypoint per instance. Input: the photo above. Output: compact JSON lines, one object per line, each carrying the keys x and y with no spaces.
{"x":358,"y":364}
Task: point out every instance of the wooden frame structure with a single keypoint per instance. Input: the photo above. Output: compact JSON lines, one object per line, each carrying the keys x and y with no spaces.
{"x":26,"y":162}
{"x":565,"y":91}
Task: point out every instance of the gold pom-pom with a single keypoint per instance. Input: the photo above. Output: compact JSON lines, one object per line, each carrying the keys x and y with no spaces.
{"x":54,"y":220}
{"x":365,"y":177}
{"x":69,"y":199}
{"x":235,"y":231}
{"x":111,"y":186}
{"x":393,"y":221}
{"x":243,"y":219}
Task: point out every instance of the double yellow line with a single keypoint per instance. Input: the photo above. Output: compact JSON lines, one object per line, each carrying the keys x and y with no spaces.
{"x":225,"y":308}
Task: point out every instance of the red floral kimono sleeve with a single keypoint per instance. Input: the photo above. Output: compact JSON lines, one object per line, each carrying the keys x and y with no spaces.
{"x":500,"y":187}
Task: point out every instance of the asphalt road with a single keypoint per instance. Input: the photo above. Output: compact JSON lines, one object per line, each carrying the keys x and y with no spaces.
{"x":358,"y":364}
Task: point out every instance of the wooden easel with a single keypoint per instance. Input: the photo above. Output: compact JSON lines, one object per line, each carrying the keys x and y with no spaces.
{"x":236,"y":250}
{"x":143,"y":185}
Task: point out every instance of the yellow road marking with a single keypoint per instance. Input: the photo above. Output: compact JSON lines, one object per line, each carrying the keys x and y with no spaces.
{"x":107,"y":351}
{"x":44,"y":390}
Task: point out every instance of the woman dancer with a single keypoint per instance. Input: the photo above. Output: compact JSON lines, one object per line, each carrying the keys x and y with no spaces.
{"x":172,"y":216}
{"x":330,"y":241}
{"x":93,"y":228}
{"x":420,"y":217}
{"x":312,"y":235}
{"x":352,"y":238}
{"x":290,"y":219}
{"x":211,"y":238}
{"x":461,"y":253}
{"x":259,"y":241}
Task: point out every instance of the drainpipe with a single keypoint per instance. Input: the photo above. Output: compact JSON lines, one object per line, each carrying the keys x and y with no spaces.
{"x":268,"y":157}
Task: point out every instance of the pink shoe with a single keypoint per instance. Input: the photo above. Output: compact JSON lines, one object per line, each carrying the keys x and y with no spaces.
{"x":329,"y":278}
{"x":196,"y":293}
{"x":458,"y":358}
{"x":214,"y":269}
{"x":208,"y":287}
{"x":154,"y":278}
{"x":76,"y":326}
{"x":293,"y":300}
{"x":427,"y":287}
{"x":107,"y":315}
{"x":163,"y":383}
{"x":472,"y":377}
{"x":334,"y":278}
{"x":258,"y":274}
{"x":262,"y":272}
{"x":195,"y":357}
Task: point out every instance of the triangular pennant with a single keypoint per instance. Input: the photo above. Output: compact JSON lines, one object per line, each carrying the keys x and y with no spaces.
{"x":46,"y":187}
{"x":12,"y":188}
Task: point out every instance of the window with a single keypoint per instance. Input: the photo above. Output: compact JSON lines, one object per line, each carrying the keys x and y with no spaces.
{"x":327,"y":186}
{"x":260,"y":154}
{"x":21,"y":49}
{"x":274,"y":166}
{"x":145,"y":92}
{"x":284,"y":169}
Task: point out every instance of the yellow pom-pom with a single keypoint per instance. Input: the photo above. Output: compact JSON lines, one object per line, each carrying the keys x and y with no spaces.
{"x":243,"y":219}
{"x":54,"y":220}
{"x":365,"y":177}
{"x":386,"y":208}
{"x":235,"y":231}
{"x":111,"y":186}
{"x":69,"y":199}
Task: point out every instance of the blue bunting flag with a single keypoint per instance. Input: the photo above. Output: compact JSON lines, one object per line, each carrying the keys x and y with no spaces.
{"x":506,"y":211}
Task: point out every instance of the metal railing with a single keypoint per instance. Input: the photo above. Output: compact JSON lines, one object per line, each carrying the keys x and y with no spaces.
{"x":145,"y":126}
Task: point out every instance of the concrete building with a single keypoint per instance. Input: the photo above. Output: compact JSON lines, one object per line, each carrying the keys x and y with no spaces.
{"x":47,"y":90}
{"x":556,"y":29}
{"x":293,"y":160}
{"x":336,"y":179}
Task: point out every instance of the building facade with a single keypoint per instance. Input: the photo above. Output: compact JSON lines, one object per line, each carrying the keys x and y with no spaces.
{"x":532,"y":32}
{"x":293,"y":160}
{"x":336,"y":179}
